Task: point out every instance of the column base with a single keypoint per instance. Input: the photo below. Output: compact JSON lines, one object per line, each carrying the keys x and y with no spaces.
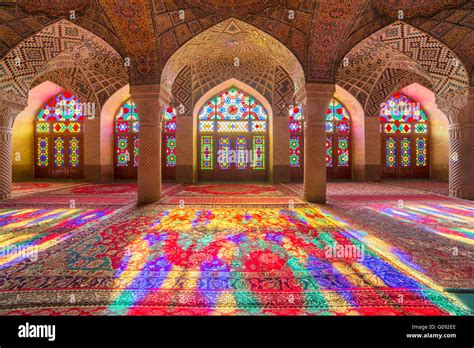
{"x":320,"y":199}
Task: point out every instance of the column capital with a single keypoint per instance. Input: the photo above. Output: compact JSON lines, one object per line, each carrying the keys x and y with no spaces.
{"x":10,"y":106}
{"x":147,"y":100}
{"x":12,"y":101}
{"x":458,"y":100}
{"x":7,"y":116}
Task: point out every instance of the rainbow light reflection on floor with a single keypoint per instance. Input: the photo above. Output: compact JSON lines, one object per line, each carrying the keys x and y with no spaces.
{"x":256,"y":261}
{"x":453,"y":221}
{"x":24,"y":233}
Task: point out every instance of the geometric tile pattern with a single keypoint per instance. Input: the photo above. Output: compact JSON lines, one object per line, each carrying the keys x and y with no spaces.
{"x":269,"y":16}
{"x":391,"y":81}
{"x":23,"y":18}
{"x":275,"y":84}
{"x":453,"y":27}
{"x":182,"y":90}
{"x":71,"y":79}
{"x":447,"y":72}
{"x":132,"y":20}
{"x":64,"y":44}
{"x":375,"y":65}
{"x":366,"y":63}
{"x":283,"y":92}
{"x":241,"y":51}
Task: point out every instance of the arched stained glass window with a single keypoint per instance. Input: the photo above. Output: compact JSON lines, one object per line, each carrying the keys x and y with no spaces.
{"x":338,"y":139}
{"x":233,"y":129}
{"x":169,"y":143}
{"x":405,"y":138}
{"x":127,"y":127}
{"x":338,"y":142}
{"x":59,"y":129}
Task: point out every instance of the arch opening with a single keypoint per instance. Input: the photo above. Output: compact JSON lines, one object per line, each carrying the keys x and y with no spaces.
{"x":232,"y":134}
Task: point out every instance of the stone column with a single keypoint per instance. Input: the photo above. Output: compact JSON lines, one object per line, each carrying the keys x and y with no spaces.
{"x":10,"y":106}
{"x":461,"y":150}
{"x":146,"y":98}
{"x":184,"y":147}
{"x":6,"y":124}
{"x":318,"y":97}
{"x":280,"y":141}
{"x":373,"y":154}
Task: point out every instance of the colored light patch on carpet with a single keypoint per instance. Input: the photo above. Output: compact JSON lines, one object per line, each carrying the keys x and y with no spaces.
{"x":246,"y":261}
{"x":66,"y":201}
{"x":24,"y":233}
{"x":453,"y":221}
{"x":231,"y":190}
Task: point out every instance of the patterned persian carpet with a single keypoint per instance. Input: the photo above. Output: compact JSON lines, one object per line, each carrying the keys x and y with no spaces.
{"x":439,"y":187}
{"x":84,"y":195}
{"x":434,"y":237}
{"x":213,"y":261}
{"x":28,"y":188}
{"x":24,"y":233}
{"x":342,"y":192}
{"x":229,"y":194}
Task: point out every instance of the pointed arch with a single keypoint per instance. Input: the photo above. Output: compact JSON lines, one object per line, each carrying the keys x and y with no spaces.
{"x":56,"y":46}
{"x":400,"y":46}
{"x":262,"y":140}
{"x":244,"y":52}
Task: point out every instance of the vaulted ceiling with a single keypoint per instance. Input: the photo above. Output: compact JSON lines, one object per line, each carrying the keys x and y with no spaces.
{"x":320,"y":33}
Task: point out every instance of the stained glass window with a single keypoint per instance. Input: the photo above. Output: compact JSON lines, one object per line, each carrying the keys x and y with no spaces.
{"x":127,"y":128}
{"x":405,"y":159}
{"x":64,"y":107}
{"x":328,"y":152}
{"x":295,"y":149}
{"x":43,"y":151}
{"x":224,"y":152}
{"x":242,"y":153}
{"x":338,"y":128}
{"x":207,"y":149}
{"x":135,"y":151}
{"x":233,"y":105}
{"x":400,"y":109}
{"x":234,"y":127}
{"x":59,"y":129}
{"x":59,"y":152}
{"x":404,"y":127}
{"x":74,"y":151}
{"x":169,"y":116}
{"x":421,"y":152}
{"x":170,"y":151}
{"x":390,"y":152}
{"x":259,"y":152}
{"x":123,"y":157}
{"x":229,"y":121}
{"x":296,"y":136}
{"x":343,"y":152}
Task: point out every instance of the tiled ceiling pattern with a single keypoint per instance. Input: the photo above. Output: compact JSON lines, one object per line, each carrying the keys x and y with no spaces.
{"x":62,"y":44}
{"x":374,"y":67}
{"x":318,"y":33}
{"x":391,"y":81}
{"x":366,"y":63}
{"x":71,"y":79}
{"x":133,"y":23}
{"x":233,"y":49}
{"x":23,"y":18}
{"x":173,"y":28}
{"x":454,"y":28}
